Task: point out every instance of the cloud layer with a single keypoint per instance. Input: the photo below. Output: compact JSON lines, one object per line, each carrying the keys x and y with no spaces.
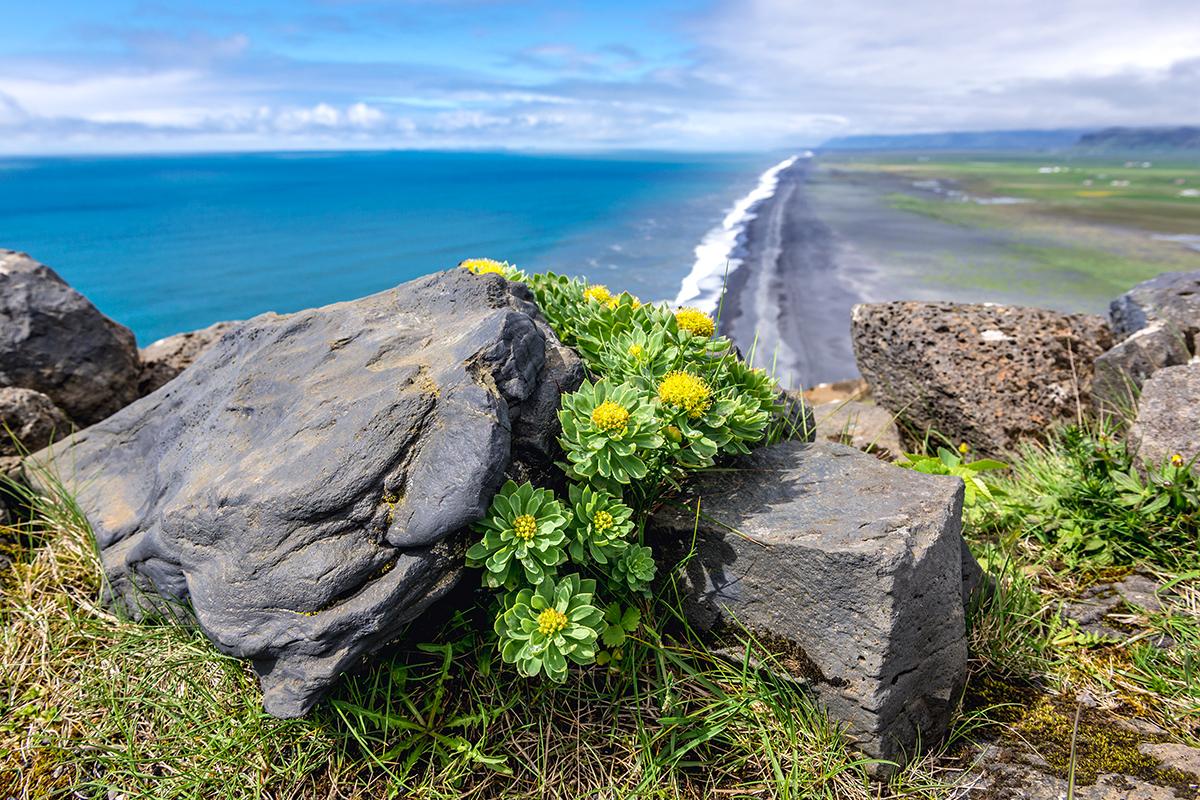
{"x":730,"y":75}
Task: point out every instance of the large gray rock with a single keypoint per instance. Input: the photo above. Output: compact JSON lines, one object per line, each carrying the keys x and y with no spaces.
{"x":1172,"y":298}
{"x":983,"y":374}
{"x":1168,"y":416}
{"x":1155,"y":324}
{"x":858,"y":564}
{"x":54,"y":341}
{"x":1123,"y":371}
{"x":163,"y":360}
{"x":306,"y":483}
{"x":29,"y":421}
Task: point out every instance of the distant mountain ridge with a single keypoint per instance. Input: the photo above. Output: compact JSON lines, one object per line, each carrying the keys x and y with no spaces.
{"x":1183,"y":138}
{"x":961,"y":140}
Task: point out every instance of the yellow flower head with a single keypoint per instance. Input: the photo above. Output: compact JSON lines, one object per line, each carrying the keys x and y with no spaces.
{"x":600,"y":294}
{"x":964,"y":447}
{"x":695,"y":321}
{"x":525,"y":526}
{"x":610,"y":417}
{"x":637,"y":351}
{"x":602,"y":520}
{"x":1177,"y":461}
{"x":483,"y":265}
{"x":551,"y":622}
{"x":686,"y":391}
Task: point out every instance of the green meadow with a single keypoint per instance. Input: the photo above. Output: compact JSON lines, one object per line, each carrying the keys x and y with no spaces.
{"x":1069,"y":222}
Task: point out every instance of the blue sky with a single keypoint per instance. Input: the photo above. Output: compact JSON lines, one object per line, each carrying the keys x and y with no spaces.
{"x":167,"y":75}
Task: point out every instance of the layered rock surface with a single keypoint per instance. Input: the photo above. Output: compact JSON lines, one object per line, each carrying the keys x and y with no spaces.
{"x":1168,"y":417}
{"x":163,"y":360}
{"x":1155,"y":324}
{"x":983,"y":374}
{"x":858,"y":564}
{"x":54,"y":341}
{"x":306,"y":483}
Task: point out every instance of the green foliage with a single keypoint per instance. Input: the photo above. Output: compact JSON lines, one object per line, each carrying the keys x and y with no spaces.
{"x":1084,"y":498}
{"x":668,"y":398}
{"x":599,"y":526}
{"x":947,"y":463}
{"x":635,"y":568}
{"x":619,"y":625}
{"x":544,"y":627}
{"x":524,"y":527}
{"x":606,"y":432}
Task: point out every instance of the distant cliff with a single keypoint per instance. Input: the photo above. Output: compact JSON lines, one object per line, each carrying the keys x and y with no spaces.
{"x":1185,"y":138}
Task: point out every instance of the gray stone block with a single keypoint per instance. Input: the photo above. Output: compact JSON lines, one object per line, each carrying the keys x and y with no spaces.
{"x":859,"y":563}
{"x":1168,"y":417}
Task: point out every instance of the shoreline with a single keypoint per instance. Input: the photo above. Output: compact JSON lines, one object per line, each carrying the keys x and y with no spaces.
{"x":787,"y":305}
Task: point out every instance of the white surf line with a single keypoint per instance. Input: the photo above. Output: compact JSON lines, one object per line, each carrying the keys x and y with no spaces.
{"x":703,"y":285}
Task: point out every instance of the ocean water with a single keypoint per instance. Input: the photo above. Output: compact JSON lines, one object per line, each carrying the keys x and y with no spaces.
{"x":175,"y":243}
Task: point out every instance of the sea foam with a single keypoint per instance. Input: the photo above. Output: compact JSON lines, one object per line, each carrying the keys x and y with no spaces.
{"x":715,"y":255}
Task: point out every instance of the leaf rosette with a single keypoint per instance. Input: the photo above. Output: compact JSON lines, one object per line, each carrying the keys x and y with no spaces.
{"x":544,"y":628}
{"x":600,"y":525}
{"x":639,"y":358}
{"x":635,"y":567}
{"x":605,"y":430}
{"x":523,"y":532}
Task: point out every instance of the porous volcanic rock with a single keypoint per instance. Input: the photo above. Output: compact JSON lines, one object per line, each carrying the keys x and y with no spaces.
{"x":1168,"y":416}
{"x":984,"y":374}
{"x":54,"y":341}
{"x":166,"y":358}
{"x":31,"y":419}
{"x":858,"y":564}
{"x":1172,"y":298}
{"x":306,"y":484}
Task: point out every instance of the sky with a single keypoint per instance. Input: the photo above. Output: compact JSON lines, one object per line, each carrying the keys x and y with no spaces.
{"x":131,"y":76}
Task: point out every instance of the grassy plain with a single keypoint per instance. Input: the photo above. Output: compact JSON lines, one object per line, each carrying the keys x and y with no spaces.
{"x":1070,"y":220}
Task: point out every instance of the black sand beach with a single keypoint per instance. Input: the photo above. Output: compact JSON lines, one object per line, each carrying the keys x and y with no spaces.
{"x":790,"y":300}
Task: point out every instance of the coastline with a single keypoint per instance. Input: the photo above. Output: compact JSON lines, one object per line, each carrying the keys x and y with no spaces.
{"x":787,"y":304}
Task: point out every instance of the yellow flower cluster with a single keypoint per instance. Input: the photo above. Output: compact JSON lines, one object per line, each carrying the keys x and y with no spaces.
{"x":525,"y":526}
{"x":610,"y":417}
{"x":602,"y":520}
{"x":483,"y":265}
{"x":600,"y":294}
{"x":637,"y":351}
{"x":686,"y":391}
{"x":696,"y":321}
{"x":551,"y":622}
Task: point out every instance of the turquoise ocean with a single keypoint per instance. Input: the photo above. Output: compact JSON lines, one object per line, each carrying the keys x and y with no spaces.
{"x":167,"y":244}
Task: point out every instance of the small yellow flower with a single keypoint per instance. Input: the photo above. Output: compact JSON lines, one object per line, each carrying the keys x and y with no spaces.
{"x":525,"y":526}
{"x":600,"y":294}
{"x":637,"y":351}
{"x":610,"y":417}
{"x":686,"y":391}
{"x":481,"y":266}
{"x":1177,"y":461}
{"x":695,"y":321}
{"x":551,"y":622}
{"x":602,"y":520}
{"x":963,"y":448}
